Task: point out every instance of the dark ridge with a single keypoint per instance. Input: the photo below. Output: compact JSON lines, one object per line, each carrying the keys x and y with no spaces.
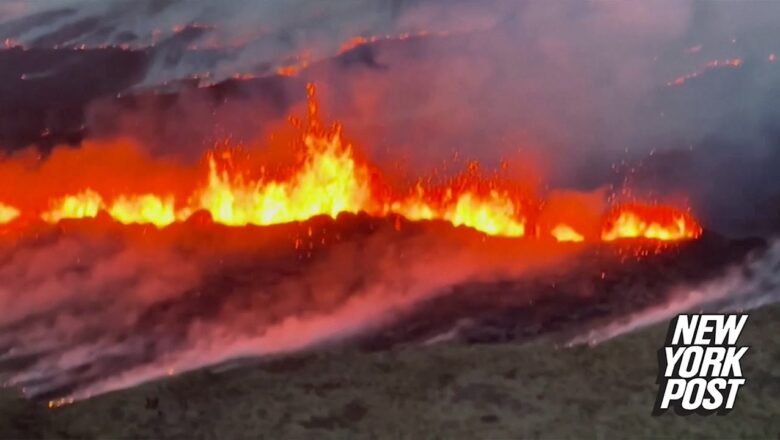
{"x":45,"y":91}
{"x":520,"y":310}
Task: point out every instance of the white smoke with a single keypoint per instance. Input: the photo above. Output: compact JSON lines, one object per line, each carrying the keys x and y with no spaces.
{"x":752,"y":284}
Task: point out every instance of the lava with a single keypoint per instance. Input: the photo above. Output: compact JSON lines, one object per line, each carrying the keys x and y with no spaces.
{"x":329,"y":179}
{"x":361,"y":40}
{"x":652,"y":222}
{"x":83,"y":205}
{"x":295,"y":64}
{"x":563,"y":233}
{"x":8,"y":213}
{"x":714,"y":64}
{"x":147,"y":208}
{"x":329,"y":183}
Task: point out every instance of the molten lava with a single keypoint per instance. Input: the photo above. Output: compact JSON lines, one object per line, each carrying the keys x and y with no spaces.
{"x":563,"y":232}
{"x":328,"y":180}
{"x":653,"y":222}
{"x":7,"y":213}
{"x":361,"y":40}
{"x":147,"y":208}
{"x":329,"y":183}
{"x":714,"y":64}
{"x":82,"y":205}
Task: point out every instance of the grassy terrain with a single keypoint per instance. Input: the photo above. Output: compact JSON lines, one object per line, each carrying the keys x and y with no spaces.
{"x":532,"y":390}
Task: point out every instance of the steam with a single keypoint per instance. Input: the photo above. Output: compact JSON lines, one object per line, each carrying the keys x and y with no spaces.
{"x":752,"y":284}
{"x":85,"y":313}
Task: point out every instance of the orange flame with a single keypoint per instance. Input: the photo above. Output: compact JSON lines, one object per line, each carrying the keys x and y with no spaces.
{"x":83,"y":205}
{"x":8,"y":213}
{"x":653,"y":222}
{"x":329,"y":180}
{"x":329,"y":183}
{"x":147,"y":208}
{"x":494,"y":213}
{"x":563,"y":233}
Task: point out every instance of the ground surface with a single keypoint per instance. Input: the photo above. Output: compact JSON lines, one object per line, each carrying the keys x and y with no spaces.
{"x":521,"y":390}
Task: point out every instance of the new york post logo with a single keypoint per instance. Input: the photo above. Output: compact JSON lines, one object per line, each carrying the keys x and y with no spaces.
{"x":699,"y":367}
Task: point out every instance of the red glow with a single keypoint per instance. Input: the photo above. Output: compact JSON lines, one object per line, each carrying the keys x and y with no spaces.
{"x":329,"y":179}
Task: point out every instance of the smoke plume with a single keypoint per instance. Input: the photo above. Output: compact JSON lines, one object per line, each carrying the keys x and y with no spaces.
{"x":87,"y":312}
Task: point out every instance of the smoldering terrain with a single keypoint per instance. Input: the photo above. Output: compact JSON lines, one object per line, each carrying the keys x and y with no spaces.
{"x":586,"y":94}
{"x":108,"y":310}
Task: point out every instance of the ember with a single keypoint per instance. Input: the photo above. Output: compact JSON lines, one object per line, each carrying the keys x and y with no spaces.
{"x":714,"y":64}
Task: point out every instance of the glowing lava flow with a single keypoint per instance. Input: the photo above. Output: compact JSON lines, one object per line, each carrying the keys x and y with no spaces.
{"x":7,"y":213}
{"x":361,"y":40}
{"x":329,"y":183}
{"x":564,"y":233}
{"x":83,"y":205}
{"x":147,"y":208}
{"x":714,"y":64}
{"x":330,"y":180}
{"x":653,"y":222}
{"x":494,"y":213}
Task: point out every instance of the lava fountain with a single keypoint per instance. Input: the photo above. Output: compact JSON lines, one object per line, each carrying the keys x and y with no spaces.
{"x":330,"y":179}
{"x":118,"y":268}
